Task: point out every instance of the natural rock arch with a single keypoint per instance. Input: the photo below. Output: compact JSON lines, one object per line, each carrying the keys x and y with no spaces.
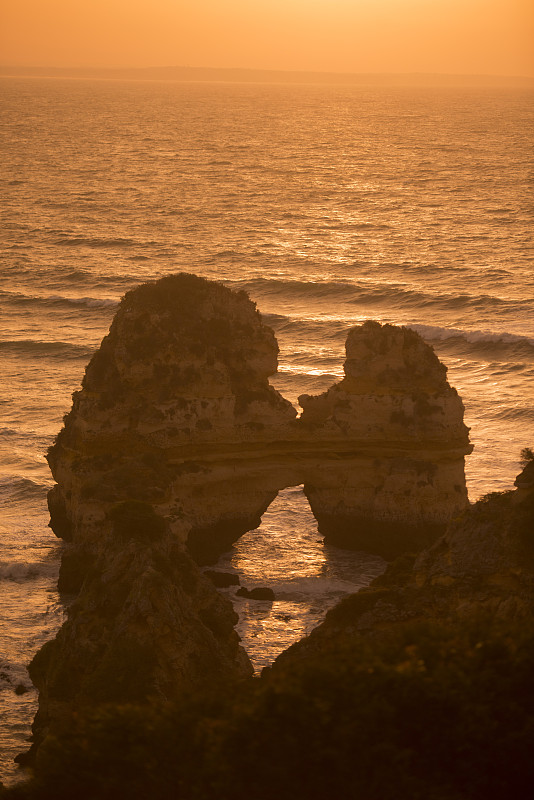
{"x":176,"y":410}
{"x":177,"y":442}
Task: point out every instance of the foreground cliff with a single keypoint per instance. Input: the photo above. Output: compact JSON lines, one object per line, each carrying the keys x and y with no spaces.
{"x":175,"y":446}
{"x":417,"y":688}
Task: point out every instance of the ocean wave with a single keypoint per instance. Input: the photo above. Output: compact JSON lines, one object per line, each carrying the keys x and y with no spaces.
{"x":225,"y":254}
{"x":61,"y":276}
{"x":19,"y":571}
{"x":298,"y":371}
{"x":293,"y":288}
{"x":478,"y":343}
{"x":56,"y":301}
{"x":302,"y":590}
{"x":439,"y":333}
{"x":304,"y":587}
{"x":98,"y":279}
{"x":355,"y":226}
{"x":396,"y":296}
{"x":17,"y":489}
{"x":13,"y":675}
{"x":329,"y":329}
{"x":462,"y":342}
{"x":82,"y":241}
{"x":31,"y":347}
{"x":515,"y":414}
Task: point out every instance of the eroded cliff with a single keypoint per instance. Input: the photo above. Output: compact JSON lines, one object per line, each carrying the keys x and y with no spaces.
{"x":175,"y":446}
{"x":418,"y":687}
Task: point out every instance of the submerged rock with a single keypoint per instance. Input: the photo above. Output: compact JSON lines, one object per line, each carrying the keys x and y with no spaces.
{"x":258,"y":593}
{"x":177,"y":444}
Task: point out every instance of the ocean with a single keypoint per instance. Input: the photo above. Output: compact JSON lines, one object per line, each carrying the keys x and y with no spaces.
{"x":330,"y":205}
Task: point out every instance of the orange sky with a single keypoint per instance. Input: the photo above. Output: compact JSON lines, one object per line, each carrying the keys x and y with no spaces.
{"x":453,"y":36}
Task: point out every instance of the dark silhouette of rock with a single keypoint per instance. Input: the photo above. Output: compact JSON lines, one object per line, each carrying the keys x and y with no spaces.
{"x":525,"y":479}
{"x":482,"y":567}
{"x":222,"y":580}
{"x":258,"y":593}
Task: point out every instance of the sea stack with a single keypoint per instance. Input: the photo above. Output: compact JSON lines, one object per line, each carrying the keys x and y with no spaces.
{"x":401,"y":478}
{"x":175,"y":446}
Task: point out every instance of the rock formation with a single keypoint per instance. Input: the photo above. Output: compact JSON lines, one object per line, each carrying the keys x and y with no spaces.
{"x":176,"y":410}
{"x":402,"y":478}
{"x":176,"y":445}
{"x":146,"y":626}
{"x":170,"y":407}
{"x":418,"y":686}
{"x":482,"y":568}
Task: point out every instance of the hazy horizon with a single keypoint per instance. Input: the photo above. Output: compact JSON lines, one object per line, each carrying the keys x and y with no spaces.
{"x":450,"y":37}
{"x":179,"y":73}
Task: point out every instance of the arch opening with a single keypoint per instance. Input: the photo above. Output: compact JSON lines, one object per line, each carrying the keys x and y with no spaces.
{"x":287,"y":555}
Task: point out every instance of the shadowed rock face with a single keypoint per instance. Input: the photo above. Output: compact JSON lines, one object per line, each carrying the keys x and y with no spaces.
{"x":481,"y":568}
{"x":176,"y":445}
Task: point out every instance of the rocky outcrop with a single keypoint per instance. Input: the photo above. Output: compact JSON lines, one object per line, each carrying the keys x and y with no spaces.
{"x":146,"y":627}
{"x":176,"y":445}
{"x":403,"y":478}
{"x":176,"y":410}
{"x":172,"y":407}
{"x":482,"y":568}
{"x":429,"y":671}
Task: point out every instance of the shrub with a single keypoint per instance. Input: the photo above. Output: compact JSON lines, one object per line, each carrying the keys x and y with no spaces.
{"x":526,"y":456}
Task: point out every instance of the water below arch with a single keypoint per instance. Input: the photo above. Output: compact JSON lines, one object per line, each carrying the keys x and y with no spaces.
{"x":286,"y":553}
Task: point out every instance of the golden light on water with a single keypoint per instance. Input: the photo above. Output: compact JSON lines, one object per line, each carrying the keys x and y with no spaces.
{"x":308,"y":579}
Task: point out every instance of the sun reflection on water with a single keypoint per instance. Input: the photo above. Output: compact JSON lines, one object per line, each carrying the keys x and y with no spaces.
{"x":286,"y":554}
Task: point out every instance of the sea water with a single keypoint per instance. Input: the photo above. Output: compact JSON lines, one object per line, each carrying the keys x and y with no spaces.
{"x":330,"y":206}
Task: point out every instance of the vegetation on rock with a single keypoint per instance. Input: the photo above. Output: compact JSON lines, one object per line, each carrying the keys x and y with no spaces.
{"x":430,"y":712}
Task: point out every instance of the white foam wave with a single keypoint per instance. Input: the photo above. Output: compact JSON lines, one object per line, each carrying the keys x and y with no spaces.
{"x":437,"y":333}
{"x":90,"y":302}
{"x":305,"y":588}
{"x":13,"y":675}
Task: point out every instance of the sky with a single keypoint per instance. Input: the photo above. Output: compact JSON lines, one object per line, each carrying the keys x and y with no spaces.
{"x":494,"y":37}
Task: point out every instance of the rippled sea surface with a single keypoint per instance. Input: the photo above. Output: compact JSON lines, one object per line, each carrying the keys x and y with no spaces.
{"x":329,"y":205}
